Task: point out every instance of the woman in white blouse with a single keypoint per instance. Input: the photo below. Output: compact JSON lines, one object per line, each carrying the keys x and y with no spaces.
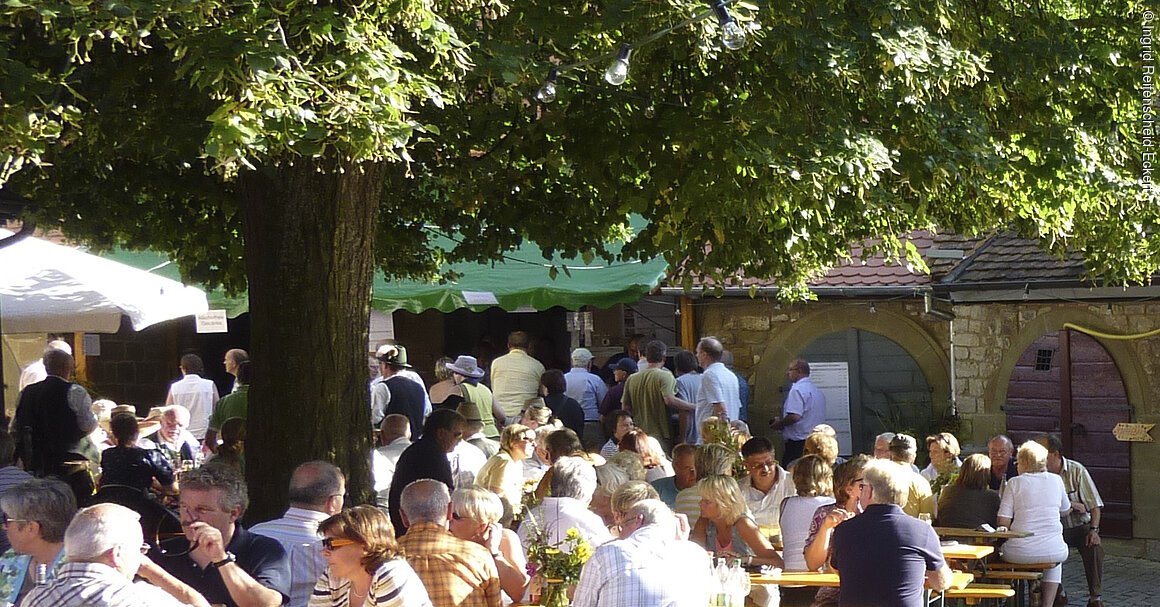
{"x":1032,"y":502}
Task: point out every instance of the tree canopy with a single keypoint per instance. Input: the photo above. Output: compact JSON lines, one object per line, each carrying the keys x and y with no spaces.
{"x":298,"y":134}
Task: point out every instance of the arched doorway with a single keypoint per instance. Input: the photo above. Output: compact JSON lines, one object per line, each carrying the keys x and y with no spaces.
{"x":1066,"y":383}
{"x":887,"y":388}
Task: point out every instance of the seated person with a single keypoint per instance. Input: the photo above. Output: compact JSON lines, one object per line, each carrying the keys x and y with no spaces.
{"x":127,"y":465}
{"x":616,"y":425}
{"x":969,"y":501}
{"x":656,"y":465}
{"x":725,"y":526}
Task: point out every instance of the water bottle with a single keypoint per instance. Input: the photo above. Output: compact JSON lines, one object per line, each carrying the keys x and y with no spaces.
{"x":719,"y":595}
{"x":739,"y":584}
{"x":41,"y":574}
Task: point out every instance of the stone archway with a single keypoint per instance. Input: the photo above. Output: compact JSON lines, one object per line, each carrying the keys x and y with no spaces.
{"x":910,"y":335}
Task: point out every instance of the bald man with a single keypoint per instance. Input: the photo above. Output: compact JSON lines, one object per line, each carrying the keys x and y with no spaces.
{"x":395,"y":437}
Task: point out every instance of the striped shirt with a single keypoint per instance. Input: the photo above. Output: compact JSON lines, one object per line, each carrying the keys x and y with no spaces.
{"x":394,"y":584}
{"x":97,"y":585}
{"x":297,"y":531}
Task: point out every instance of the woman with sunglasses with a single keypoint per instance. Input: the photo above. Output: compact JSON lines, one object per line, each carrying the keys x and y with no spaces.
{"x":475,"y":517}
{"x":35,"y":515}
{"x":503,"y":474}
{"x":848,"y":491}
{"x":364,"y":565}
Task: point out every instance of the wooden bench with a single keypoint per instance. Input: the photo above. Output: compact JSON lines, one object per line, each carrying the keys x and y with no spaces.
{"x":1005,"y":566}
{"x":1022,"y":580}
{"x":974,"y":593}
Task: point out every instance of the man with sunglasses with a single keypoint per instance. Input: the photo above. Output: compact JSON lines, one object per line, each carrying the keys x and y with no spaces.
{"x":217,"y":557}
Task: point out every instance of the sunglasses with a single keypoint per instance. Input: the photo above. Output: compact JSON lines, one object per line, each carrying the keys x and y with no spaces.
{"x":4,"y":520}
{"x":333,"y":543}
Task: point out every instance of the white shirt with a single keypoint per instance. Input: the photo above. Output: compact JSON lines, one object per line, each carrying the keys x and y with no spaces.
{"x":297,"y":531}
{"x":552,"y":519}
{"x":795,"y":528}
{"x":930,"y":474}
{"x":199,"y":396}
{"x":718,"y":385}
{"x":33,"y":373}
{"x":1034,"y":502}
{"x":766,"y":507}
{"x":806,"y":400}
{"x":381,"y":396}
{"x":647,"y":569}
{"x":383,"y":462}
{"x":466,"y":460}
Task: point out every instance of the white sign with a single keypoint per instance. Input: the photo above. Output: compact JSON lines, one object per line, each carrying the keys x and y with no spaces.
{"x":480,"y":298}
{"x":833,"y":379}
{"x":213,"y":321}
{"x":92,"y":343}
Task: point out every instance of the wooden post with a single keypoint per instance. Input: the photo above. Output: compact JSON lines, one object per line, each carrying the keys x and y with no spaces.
{"x":688,"y":324}
{"x":81,"y":371}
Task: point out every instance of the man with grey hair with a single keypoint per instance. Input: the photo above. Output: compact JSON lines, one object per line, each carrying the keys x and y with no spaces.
{"x":1002,"y":453}
{"x":316,"y":493}
{"x":573,"y":483}
{"x":882,"y":445}
{"x":718,"y":394}
{"x":649,"y":567}
{"x":220,"y":559}
{"x":173,"y":439}
{"x":586,"y":388}
{"x":54,"y":418}
{"x":454,"y":571}
{"x":886,"y":557}
{"x":919,"y":496}
{"x":103,"y":547}
{"x":804,"y":408}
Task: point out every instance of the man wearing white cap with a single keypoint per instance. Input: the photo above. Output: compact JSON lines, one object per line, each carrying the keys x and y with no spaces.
{"x":586,"y":388}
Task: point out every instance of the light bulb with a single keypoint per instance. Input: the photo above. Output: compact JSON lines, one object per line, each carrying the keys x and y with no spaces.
{"x":732,"y":35}
{"x":547,"y":93}
{"x":617,"y":73}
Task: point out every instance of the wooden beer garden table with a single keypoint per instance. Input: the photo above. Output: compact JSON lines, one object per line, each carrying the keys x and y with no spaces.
{"x":967,"y":552}
{"x":959,"y":579}
{"x":978,"y":534}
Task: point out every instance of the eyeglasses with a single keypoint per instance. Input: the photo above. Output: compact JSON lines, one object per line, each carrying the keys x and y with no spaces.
{"x":331,"y":543}
{"x":759,"y":465}
{"x":4,"y":520}
{"x":529,"y":439}
{"x":145,"y":548}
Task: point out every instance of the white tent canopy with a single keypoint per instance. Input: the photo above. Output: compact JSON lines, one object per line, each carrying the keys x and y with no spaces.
{"x":50,"y":288}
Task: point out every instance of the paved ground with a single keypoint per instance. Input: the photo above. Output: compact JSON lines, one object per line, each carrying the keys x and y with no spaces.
{"x":1128,"y":582}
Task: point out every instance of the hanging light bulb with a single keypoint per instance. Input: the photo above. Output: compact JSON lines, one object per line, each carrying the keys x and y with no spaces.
{"x":547,"y":93}
{"x":732,"y":34}
{"x":617,"y":73}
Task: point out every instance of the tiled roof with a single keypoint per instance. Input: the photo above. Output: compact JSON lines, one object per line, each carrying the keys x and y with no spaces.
{"x":1006,"y":257}
{"x":874,"y":271}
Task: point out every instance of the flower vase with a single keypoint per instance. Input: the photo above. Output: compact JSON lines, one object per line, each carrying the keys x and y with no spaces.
{"x":555,"y":594}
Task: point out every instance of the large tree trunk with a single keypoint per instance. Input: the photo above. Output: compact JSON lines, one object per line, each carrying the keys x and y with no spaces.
{"x":309,"y":243}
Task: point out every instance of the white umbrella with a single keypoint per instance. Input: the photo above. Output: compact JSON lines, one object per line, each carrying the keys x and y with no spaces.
{"x":48,"y":288}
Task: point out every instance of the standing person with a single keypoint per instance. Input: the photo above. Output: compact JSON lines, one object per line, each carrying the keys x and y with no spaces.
{"x":54,"y":418}
{"x":1033,"y":503}
{"x":195,"y":393}
{"x":1003,"y":467}
{"x":742,"y":385}
{"x":586,"y":388}
{"x":885,"y":557}
{"x":649,"y":567}
{"x":565,"y":408}
{"x":688,"y":385}
{"x":718,"y":394}
{"x":426,"y":458}
{"x":445,"y":391}
{"x":35,"y":371}
{"x":515,"y":376}
{"x":394,"y":438}
{"x":467,"y":372}
{"x":620,"y":372}
{"x":316,"y":493}
{"x":805,"y":407}
{"x":234,"y":404}
{"x":455,"y":572}
{"x":1081,"y":524}
{"x":767,"y":483}
{"x":651,"y":392}
{"x":233,"y":358}
{"x":220,"y":559}
{"x":365,"y":567}
{"x":392,"y":392}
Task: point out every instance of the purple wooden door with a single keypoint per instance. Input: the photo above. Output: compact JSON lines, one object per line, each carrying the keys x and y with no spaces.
{"x":1066,"y":383}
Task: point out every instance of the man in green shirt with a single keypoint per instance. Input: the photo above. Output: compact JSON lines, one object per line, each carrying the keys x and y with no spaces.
{"x":649,"y":393}
{"x":229,"y":406}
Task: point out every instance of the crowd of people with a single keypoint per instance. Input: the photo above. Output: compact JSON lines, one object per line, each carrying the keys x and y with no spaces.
{"x":472,"y":473}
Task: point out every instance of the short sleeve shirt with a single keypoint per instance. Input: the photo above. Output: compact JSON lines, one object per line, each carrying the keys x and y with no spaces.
{"x":645,"y":392}
{"x":883,"y":556}
{"x":263,"y":558}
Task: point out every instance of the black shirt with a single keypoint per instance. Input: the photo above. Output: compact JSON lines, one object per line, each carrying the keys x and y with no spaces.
{"x":261,"y":557}
{"x":567,"y":410}
{"x":135,"y":467}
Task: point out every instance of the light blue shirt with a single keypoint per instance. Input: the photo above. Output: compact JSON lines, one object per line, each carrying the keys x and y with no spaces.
{"x":587,"y":389}
{"x":297,"y":531}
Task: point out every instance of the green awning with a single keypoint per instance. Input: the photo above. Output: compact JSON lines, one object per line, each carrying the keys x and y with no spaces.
{"x":519,"y":281}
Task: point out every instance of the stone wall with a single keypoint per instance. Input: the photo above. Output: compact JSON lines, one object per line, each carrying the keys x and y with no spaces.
{"x":134,"y":368}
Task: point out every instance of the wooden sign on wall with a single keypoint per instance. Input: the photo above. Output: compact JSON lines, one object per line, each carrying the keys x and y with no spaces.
{"x":1133,"y":432}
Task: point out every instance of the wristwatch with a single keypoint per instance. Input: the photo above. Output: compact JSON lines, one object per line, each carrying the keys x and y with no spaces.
{"x":1096,"y":529}
{"x":230,"y":558}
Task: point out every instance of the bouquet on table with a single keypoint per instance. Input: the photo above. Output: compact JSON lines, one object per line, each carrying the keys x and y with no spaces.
{"x":556,"y":567}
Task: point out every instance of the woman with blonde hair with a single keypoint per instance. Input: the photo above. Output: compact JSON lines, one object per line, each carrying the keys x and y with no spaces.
{"x":814,"y":480}
{"x":445,"y":387}
{"x":536,"y":413}
{"x":969,"y":501}
{"x":823,"y":445}
{"x":503,"y":474}
{"x":943,"y":449}
{"x":725,"y":526}
{"x":1032,"y":503}
{"x":475,"y":515}
{"x":364,"y":565}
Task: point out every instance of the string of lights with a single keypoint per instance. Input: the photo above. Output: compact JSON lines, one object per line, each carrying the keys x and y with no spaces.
{"x":732,"y":38}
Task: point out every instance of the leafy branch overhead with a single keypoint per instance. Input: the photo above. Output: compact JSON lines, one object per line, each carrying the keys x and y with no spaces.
{"x":837,"y":123}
